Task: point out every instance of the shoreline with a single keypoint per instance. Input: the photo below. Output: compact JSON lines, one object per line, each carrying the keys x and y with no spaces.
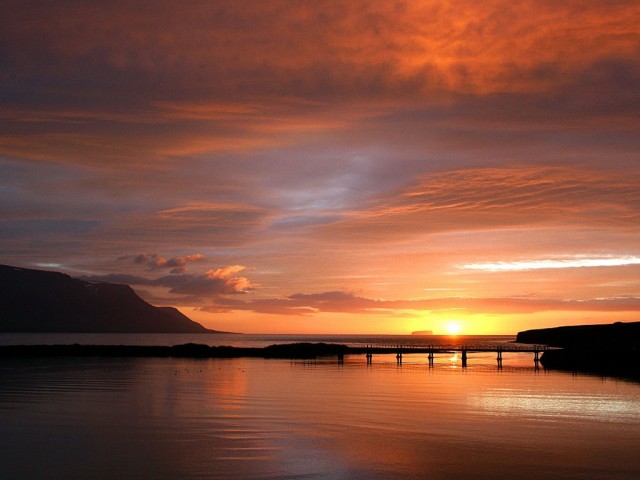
{"x":612,"y":362}
{"x":188,"y":350}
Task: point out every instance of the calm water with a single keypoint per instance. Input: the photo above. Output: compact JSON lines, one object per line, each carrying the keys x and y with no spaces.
{"x":237,"y":340}
{"x":280,"y":419}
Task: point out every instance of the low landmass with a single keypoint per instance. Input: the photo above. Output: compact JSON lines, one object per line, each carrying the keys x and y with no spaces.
{"x":423,"y":332}
{"x":189,"y":350}
{"x":610,"y":349}
{"x":589,"y":357}
{"x":44,"y":301}
{"x":617,"y":335}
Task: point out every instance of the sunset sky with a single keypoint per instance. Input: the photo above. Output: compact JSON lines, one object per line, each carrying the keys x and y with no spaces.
{"x":337,"y":166}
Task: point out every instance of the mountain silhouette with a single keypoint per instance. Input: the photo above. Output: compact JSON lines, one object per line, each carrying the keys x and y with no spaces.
{"x":44,"y":301}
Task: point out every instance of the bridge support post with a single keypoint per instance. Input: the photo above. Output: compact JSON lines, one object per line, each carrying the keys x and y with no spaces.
{"x":399,"y":356}
{"x":464,"y":358}
{"x":536,"y":358}
{"x":369,"y":355}
{"x":499,"y":357}
{"x":430,"y":357}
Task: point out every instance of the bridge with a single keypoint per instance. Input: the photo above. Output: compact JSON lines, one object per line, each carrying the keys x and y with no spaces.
{"x":432,"y":350}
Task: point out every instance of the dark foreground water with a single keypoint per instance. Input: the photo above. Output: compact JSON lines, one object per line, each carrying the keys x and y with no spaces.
{"x":280,"y":419}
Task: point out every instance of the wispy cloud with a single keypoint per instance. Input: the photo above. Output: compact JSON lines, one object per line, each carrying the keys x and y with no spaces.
{"x":344,"y":302}
{"x":494,"y":198}
{"x":579,"y":262}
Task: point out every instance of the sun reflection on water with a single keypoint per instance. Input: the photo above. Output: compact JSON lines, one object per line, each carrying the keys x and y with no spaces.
{"x":454,"y":359}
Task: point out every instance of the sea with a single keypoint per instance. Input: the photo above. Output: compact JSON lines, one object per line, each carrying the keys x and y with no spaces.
{"x":253,"y":418}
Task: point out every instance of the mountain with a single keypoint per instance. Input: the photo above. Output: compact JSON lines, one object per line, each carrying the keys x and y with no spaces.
{"x":43,"y":301}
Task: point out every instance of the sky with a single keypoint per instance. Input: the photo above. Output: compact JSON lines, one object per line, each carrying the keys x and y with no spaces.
{"x":330,"y":166}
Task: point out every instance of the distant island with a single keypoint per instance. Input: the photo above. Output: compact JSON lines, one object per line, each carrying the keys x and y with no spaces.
{"x":44,"y":301}
{"x":422,"y":332}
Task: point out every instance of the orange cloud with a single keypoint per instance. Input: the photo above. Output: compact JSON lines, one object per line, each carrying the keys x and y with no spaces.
{"x":129,"y":85}
{"x":456,"y":45}
{"x":225,"y":271}
{"x":494,"y":198}
{"x":228,"y":276}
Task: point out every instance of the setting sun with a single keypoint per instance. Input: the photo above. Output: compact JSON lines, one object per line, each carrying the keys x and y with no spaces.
{"x":453,"y":328}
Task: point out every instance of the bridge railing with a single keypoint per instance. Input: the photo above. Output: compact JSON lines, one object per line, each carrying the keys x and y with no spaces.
{"x":408,"y":348}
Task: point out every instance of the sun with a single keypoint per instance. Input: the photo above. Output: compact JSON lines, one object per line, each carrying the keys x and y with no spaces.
{"x":453,"y":328}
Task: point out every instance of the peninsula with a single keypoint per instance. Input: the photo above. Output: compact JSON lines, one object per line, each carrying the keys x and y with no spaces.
{"x":44,"y":301}
{"x":610,"y":349}
{"x":614,"y":335}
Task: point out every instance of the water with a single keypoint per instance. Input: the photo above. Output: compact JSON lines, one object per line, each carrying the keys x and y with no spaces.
{"x":280,"y":419}
{"x":241,"y":340}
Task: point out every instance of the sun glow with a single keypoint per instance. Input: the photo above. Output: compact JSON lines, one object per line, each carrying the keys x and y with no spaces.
{"x":453,"y":328}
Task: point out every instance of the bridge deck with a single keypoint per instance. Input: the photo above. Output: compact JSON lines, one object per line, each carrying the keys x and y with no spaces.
{"x":408,"y":349}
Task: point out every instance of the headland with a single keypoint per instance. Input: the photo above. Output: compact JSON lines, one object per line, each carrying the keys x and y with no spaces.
{"x":606,"y":349}
{"x":43,"y":301}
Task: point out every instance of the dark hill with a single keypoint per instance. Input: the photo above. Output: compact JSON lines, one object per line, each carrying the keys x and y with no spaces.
{"x":42,"y":301}
{"x":615,"y":335}
{"x":600,"y":349}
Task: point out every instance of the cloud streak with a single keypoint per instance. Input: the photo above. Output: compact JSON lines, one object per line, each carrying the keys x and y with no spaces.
{"x":342,"y":302}
{"x":552,"y":264}
{"x":493,"y":198}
